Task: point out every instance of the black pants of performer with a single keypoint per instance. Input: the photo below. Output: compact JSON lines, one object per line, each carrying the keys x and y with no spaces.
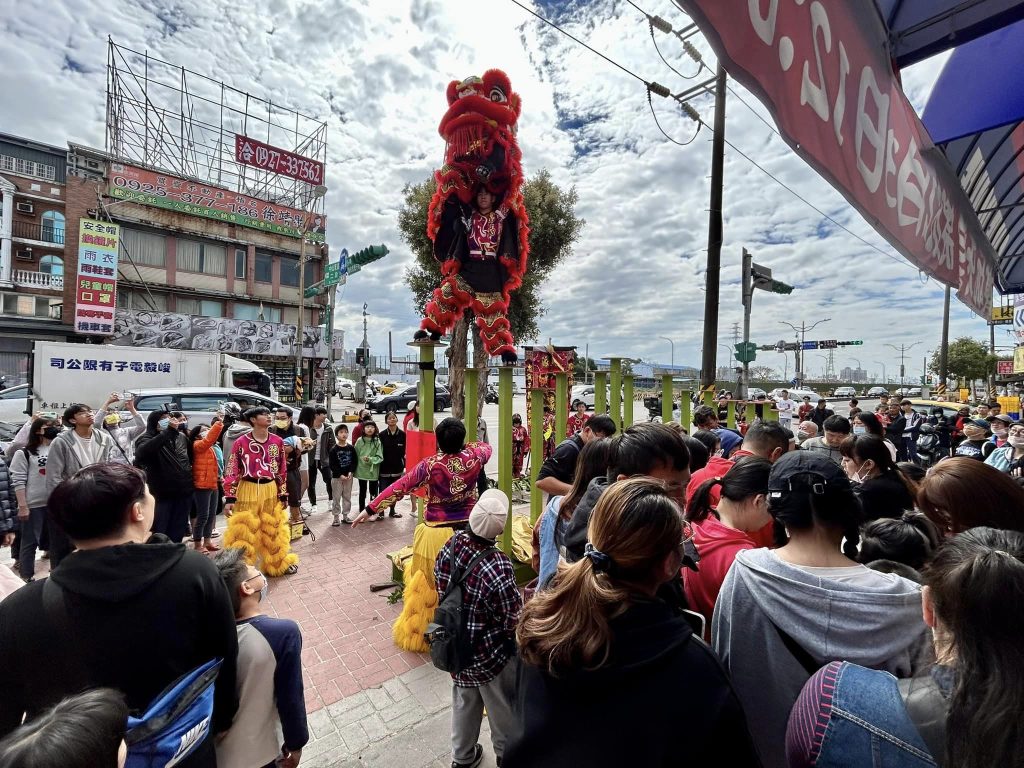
{"x":324,"y":470}
{"x":373,"y":486}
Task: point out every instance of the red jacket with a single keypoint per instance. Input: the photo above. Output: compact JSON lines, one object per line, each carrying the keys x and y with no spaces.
{"x":718,"y":545}
{"x":204,"y":460}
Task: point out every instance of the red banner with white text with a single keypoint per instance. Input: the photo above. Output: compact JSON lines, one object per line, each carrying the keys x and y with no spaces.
{"x":824,"y":71}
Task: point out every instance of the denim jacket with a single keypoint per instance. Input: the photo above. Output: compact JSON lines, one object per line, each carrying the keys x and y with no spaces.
{"x":849,"y":716}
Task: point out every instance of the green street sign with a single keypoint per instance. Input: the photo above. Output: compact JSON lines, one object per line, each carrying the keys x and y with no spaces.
{"x":314,"y":290}
{"x":332,"y":274}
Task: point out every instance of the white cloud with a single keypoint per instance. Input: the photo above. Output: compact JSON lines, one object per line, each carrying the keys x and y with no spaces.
{"x":377,"y":71}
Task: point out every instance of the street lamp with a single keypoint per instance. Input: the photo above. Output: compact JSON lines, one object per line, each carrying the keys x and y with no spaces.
{"x":801,"y":333}
{"x":884,"y":377}
{"x":314,"y":194}
{"x":903,"y":349}
{"x":673,"y":350}
{"x":858,"y":366}
{"x":824,"y":371}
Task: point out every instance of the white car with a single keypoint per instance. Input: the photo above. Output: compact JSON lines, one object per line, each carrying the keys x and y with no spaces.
{"x":346,"y":388}
{"x":200,"y":403}
{"x":845,"y":392}
{"x":795,"y":394}
{"x":585,"y":393}
{"x":12,"y":404}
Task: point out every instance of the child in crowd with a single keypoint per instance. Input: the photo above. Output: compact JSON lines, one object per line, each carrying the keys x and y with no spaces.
{"x":343,"y":460}
{"x":371,"y":453}
{"x":520,"y":445}
{"x":270,"y":726}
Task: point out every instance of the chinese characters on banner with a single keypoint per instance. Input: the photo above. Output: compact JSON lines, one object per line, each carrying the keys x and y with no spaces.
{"x":161,"y":190}
{"x":276,"y":160}
{"x":96,"y":284}
{"x":823,"y":69}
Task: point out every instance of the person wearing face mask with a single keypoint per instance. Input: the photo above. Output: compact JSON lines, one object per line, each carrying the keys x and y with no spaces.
{"x":720,"y":532}
{"x":28,"y":481}
{"x":1000,"y":429}
{"x":805,"y":431}
{"x":870,"y":424}
{"x":1010,"y":457}
{"x":271,"y":696}
{"x":285,"y":428}
{"x":162,"y":451}
{"x":123,"y":430}
{"x":976,"y":444}
{"x":883,"y":489}
{"x":206,"y":476}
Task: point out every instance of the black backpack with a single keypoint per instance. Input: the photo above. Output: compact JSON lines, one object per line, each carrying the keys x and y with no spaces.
{"x":447,"y":635}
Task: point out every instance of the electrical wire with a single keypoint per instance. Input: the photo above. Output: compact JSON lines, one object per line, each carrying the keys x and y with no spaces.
{"x":756,"y":113}
{"x":701,"y":124}
{"x":674,"y":141}
{"x":700,"y":65}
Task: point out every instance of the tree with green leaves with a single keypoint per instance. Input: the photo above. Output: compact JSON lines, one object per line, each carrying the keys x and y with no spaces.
{"x":554,"y":228}
{"x":967,"y":359}
{"x":581,"y":367}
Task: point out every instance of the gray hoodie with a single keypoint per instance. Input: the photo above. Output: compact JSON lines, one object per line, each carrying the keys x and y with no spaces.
{"x":62,"y":461}
{"x":877,"y":626}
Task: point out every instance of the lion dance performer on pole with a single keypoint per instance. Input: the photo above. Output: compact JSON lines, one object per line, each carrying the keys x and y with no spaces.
{"x":477,"y":219}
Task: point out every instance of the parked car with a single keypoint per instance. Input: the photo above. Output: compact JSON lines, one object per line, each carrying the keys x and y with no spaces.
{"x":346,"y":388}
{"x":845,"y":392}
{"x":755,"y":392}
{"x":399,"y":399}
{"x":12,"y":404}
{"x":908,"y":392}
{"x":200,"y":403}
{"x":794,"y":394}
{"x":877,"y":392}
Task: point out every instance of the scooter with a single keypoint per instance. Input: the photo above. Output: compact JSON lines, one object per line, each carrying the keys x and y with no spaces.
{"x":928,"y":451}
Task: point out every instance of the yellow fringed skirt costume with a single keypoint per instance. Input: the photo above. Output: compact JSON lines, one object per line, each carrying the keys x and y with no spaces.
{"x":254,"y":481}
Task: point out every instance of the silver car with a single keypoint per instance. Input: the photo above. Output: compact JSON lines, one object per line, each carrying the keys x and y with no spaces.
{"x":199,"y":404}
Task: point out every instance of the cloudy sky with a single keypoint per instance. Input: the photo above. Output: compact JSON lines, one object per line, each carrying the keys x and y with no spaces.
{"x":377,"y":73}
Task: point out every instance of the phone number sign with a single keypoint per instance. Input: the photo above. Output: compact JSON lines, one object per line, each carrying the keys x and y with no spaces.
{"x":277,"y":160}
{"x":127,"y":182}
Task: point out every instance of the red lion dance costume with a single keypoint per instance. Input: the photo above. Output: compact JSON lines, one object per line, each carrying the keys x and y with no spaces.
{"x":482,"y":247}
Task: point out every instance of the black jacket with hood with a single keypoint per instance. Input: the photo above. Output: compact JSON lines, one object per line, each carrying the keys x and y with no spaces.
{"x":135,"y":617}
{"x":163,"y":454}
{"x":663,"y":699}
{"x":576,"y":533}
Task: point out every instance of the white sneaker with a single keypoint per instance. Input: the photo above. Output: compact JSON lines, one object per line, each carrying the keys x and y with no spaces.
{"x":337,"y":521}
{"x":312,"y":510}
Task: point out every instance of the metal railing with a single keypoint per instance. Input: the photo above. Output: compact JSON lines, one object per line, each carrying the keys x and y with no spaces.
{"x":44,"y":233}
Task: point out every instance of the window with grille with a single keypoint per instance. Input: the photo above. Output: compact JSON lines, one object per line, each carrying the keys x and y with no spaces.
{"x":196,"y":256}
{"x":144,"y":248}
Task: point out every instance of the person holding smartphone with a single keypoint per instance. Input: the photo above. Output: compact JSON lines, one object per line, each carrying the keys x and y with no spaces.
{"x":122,"y":430}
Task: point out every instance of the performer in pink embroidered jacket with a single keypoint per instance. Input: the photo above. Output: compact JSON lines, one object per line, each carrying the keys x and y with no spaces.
{"x":450,"y":477}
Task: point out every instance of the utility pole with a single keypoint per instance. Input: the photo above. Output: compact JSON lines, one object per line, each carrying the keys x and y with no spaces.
{"x":315,"y":193}
{"x":903,"y":349}
{"x":944,"y":349}
{"x":801,"y":334}
{"x":710,"y":351}
{"x":747,"y":287}
{"x":366,"y":357}
{"x":332,"y":380}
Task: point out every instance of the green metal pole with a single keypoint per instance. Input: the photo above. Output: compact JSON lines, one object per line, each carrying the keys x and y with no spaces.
{"x":472,"y":408}
{"x":601,"y":392}
{"x":685,"y":408}
{"x":730,"y":420}
{"x":536,"y":453}
{"x":709,"y":396}
{"x":751,"y":413}
{"x":627,"y":400}
{"x":616,"y":393}
{"x":561,"y":405}
{"x":426,"y":403}
{"x":505,"y":446}
{"x":666,"y":397}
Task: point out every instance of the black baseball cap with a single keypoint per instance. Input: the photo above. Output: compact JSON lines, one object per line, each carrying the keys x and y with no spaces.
{"x":806,"y":471}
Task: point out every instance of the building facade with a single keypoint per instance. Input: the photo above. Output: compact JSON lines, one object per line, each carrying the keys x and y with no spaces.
{"x":33,"y":222}
{"x":181,"y":266}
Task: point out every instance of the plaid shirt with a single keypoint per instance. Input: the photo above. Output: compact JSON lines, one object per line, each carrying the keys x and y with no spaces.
{"x":493,"y":603}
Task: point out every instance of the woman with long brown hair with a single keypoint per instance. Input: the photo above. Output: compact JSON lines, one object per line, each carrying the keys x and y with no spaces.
{"x":611,"y":673}
{"x":961,"y":493}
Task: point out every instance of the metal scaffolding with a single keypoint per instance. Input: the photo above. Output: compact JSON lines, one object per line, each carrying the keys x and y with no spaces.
{"x":167,"y":117}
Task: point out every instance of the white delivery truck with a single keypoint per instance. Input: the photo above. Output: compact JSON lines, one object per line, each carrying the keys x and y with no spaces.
{"x":63,"y":373}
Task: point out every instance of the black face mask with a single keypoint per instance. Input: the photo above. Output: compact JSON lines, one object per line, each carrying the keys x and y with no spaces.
{"x":51,"y":432}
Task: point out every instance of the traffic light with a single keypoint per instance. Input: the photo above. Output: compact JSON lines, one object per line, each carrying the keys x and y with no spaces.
{"x":321,"y":315}
{"x":746,"y":351}
{"x":362,"y":355}
{"x":368,"y":255}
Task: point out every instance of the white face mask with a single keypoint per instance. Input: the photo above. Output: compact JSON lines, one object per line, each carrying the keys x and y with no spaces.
{"x":859,"y":429}
{"x":1016,"y":440}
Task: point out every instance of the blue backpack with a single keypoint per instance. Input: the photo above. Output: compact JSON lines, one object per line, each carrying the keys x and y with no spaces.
{"x":175,"y":723}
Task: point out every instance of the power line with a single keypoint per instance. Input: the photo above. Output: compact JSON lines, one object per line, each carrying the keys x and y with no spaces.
{"x":658,"y":89}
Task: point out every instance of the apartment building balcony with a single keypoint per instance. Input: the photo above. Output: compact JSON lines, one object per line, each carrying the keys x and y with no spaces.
{"x":42,"y":234}
{"x":24,"y":278}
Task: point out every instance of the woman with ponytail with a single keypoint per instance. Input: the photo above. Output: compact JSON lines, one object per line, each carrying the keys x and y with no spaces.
{"x":722,"y":532}
{"x":967,"y":712}
{"x":784,"y":613}
{"x":883,"y":489}
{"x":609,"y":672}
